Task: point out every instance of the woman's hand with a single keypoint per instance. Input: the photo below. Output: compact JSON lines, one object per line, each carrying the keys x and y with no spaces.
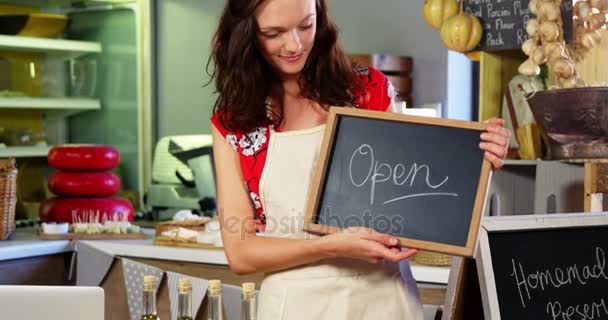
{"x":495,"y":142}
{"x":366,"y":244}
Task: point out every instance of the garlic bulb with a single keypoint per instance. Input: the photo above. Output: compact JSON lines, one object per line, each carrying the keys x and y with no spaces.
{"x":582,"y":9}
{"x":563,"y":68}
{"x":533,"y":6}
{"x":554,"y":50}
{"x":529,"y":68}
{"x":538,"y":56}
{"x":528,"y":46}
{"x":549,"y":31}
{"x":597,"y":36}
{"x":569,"y":82}
{"x":532,"y":27}
{"x":596,"y":21}
{"x":601,"y":5}
{"x":579,"y":26}
{"x":549,"y":11}
{"x":588,"y":40}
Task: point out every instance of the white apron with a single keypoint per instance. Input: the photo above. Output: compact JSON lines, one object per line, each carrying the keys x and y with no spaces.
{"x":333,"y":289}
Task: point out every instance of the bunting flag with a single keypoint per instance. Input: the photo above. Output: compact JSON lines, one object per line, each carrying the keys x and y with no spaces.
{"x":92,"y":264}
{"x":199,"y":290}
{"x":231,"y":299}
{"x":133,"y":274}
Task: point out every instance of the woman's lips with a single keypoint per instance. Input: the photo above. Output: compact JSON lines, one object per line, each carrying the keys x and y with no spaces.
{"x":292,"y":59}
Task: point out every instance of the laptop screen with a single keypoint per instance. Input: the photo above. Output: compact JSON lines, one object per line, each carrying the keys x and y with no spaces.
{"x":52,"y":302}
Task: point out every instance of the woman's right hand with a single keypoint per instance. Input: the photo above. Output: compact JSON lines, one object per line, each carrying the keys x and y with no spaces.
{"x":366,"y":244}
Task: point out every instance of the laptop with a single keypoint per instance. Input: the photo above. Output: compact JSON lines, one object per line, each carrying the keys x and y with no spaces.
{"x":51,"y":302}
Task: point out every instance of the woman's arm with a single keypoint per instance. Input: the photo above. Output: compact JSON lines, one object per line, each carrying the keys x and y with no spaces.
{"x":248,"y":253}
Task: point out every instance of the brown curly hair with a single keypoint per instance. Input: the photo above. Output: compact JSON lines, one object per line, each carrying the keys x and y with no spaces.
{"x":244,"y":79}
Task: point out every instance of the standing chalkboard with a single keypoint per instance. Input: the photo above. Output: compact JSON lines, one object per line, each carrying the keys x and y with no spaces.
{"x":421,"y":179}
{"x":544,"y":267}
{"x":504,"y":22}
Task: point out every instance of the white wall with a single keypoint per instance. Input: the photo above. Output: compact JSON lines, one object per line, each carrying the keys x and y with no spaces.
{"x":184,"y":31}
{"x":185,"y":28}
{"x":396,"y":27}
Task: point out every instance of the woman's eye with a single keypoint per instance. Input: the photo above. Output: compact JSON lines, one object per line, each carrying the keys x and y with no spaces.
{"x":306,"y":27}
{"x":271,"y":35}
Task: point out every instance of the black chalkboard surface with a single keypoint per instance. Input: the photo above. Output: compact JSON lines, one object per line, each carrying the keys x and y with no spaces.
{"x":421,"y":179}
{"x":547,"y":273}
{"x":504,"y":22}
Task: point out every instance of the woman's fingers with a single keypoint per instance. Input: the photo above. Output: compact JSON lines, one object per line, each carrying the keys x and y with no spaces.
{"x":495,"y":141}
{"x":371,"y":234}
{"x":496,"y":162}
{"x":500,"y":139}
{"x":379,"y":251}
{"x":493,"y":148}
{"x":377,"y":246}
{"x":393,"y":256}
{"x":496,"y":121}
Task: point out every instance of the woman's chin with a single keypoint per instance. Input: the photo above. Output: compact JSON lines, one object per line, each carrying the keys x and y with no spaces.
{"x":288,"y":69}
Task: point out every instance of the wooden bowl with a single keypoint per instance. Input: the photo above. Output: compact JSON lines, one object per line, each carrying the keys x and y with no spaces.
{"x":574,"y":122}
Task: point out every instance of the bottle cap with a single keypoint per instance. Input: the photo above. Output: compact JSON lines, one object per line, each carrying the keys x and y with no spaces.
{"x":149,"y":283}
{"x":215,"y":287}
{"x":184,"y":285}
{"x":248,"y":287}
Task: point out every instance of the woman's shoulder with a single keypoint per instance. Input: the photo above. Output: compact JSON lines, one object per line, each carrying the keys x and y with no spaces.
{"x":246,"y":143}
{"x":376,"y":91}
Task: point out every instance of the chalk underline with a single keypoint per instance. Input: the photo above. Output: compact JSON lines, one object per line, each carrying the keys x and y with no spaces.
{"x":421,"y":195}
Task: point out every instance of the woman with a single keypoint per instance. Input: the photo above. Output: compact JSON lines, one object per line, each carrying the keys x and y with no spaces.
{"x":278,"y":68}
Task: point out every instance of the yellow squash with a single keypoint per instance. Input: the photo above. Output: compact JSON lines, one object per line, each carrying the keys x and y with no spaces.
{"x":437,"y":11}
{"x":461,"y":32}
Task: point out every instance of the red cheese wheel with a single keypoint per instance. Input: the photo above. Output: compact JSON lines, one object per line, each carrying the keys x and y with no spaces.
{"x":84,"y":184}
{"x":83,"y":157}
{"x":63,"y":209}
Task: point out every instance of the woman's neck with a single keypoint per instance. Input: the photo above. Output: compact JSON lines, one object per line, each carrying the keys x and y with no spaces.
{"x":291,"y":87}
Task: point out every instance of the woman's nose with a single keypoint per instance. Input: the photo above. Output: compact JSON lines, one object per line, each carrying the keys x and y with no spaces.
{"x":293,"y":43}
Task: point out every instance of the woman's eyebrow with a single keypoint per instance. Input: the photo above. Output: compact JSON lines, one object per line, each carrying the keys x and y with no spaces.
{"x":277,"y":28}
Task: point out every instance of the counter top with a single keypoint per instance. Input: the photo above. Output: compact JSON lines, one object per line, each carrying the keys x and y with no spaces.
{"x":146,"y":249}
{"x":26,"y":244}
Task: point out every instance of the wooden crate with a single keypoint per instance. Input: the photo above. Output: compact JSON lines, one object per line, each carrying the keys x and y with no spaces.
{"x":496,"y":69}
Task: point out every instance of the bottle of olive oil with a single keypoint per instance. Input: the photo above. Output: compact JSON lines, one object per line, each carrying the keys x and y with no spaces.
{"x":248,"y":307}
{"x":149,"y":299}
{"x":214,"y":298}
{"x":184,"y":299}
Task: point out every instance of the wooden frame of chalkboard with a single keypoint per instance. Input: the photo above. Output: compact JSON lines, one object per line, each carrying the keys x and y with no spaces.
{"x":506,"y":224}
{"x":478,"y":195}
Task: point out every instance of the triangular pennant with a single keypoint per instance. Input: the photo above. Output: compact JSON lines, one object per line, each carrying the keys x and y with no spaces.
{"x":199,"y":289}
{"x":133,"y":273}
{"x":92,"y":264}
{"x":231,"y":299}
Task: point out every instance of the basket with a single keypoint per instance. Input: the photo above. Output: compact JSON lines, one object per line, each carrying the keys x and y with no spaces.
{"x":432,"y":258}
{"x":8,"y":197}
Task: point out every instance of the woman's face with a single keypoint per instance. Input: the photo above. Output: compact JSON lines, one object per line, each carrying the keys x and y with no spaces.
{"x":286,"y":33}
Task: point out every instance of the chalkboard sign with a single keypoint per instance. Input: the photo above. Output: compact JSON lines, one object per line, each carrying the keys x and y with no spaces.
{"x":504,"y":22}
{"x":546,"y":267}
{"x":423,"y":180}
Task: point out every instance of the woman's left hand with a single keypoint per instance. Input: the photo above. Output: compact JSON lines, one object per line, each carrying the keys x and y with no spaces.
{"x":495,"y":142}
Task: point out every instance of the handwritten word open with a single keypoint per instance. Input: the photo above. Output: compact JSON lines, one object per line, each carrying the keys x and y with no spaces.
{"x":382,"y":172}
